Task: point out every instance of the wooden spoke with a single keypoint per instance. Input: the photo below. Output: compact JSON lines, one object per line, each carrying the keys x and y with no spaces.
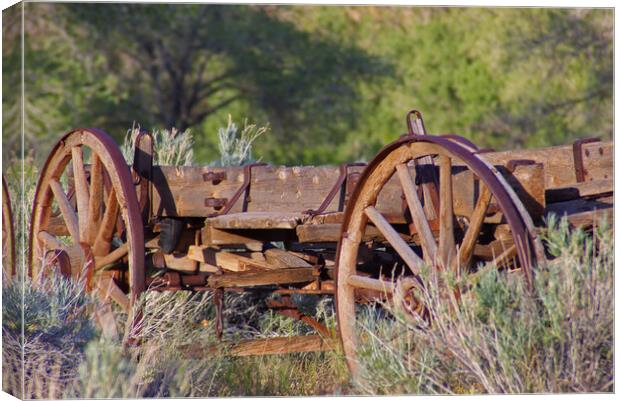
{"x":112,"y":257}
{"x":447,"y":249}
{"x":468,"y":244}
{"x":107,"y":226}
{"x":411,"y":259}
{"x":68,"y":214}
{"x":505,"y":256}
{"x":417,"y":213}
{"x":96,"y":198}
{"x":109,"y":290}
{"x":370,"y":283}
{"x":106,"y":320}
{"x":81,"y":189}
{"x":50,"y":241}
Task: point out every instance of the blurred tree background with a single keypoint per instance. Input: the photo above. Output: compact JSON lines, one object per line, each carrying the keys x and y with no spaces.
{"x":333,"y":83}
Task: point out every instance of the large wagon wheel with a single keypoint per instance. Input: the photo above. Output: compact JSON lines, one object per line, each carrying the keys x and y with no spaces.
{"x":457,"y":237}
{"x":8,"y":234}
{"x":99,"y":240}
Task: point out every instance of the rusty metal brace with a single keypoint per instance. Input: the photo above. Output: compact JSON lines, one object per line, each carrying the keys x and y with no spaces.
{"x":580,"y":171}
{"x":247,"y":178}
{"x":335,"y":189}
{"x":286,"y":307}
{"x":218,"y":300}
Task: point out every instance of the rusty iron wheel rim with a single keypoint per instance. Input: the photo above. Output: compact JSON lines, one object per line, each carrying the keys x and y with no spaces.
{"x":8,"y":234}
{"x":378,"y":173}
{"x":115,"y":186}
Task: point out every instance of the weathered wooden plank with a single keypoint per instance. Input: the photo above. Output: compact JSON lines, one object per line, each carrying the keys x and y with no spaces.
{"x":591,"y":218}
{"x":269,"y":277}
{"x":226,"y":260}
{"x":182,"y":263}
{"x":264,"y":346}
{"x":178,"y":262}
{"x":283,"y":259}
{"x":579,"y":190}
{"x":215,"y":237}
{"x":579,"y":205}
{"x":283,"y":345}
{"x":251,"y":239}
{"x":558,"y":161}
{"x":528,"y":181}
{"x":315,"y":233}
{"x":238,"y":263}
{"x":256,"y":220}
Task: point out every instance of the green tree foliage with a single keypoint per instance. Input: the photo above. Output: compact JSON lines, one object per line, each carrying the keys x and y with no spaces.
{"x":333,"y":83}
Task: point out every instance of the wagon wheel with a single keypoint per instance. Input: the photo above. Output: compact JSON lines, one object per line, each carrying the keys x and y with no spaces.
{"x":451,"y":246}
{"x":8,"y":234}
{"x":100,"y":240}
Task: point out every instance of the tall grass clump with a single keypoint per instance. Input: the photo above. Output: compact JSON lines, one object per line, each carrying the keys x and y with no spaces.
{"x":170,"y":147}
{"x":56,"y":328}
{"x":235,"y":146}
{"x":501,"y":338}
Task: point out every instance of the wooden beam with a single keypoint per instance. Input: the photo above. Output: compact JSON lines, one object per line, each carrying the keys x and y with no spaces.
{"x":269,"y":277}
{"x":256,"y":220}
{"x":591,"y":218}
{"x":579,"y":190}
{"x":226,"y":260}
{"x":579,"y":205}
{"x":283,"y":259}
{"x":264,"y":346}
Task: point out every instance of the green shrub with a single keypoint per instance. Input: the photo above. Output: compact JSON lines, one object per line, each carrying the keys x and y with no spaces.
{"x":170,"y":147}
{"x":236,"y":147}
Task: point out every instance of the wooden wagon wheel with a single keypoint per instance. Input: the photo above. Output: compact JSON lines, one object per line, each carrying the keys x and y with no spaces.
{"x":8,"y":234}
{"x":451,"y":246}
{"x":101,"y":239}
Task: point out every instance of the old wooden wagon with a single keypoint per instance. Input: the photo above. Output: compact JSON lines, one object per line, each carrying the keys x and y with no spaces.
{"x":352,"y":231}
